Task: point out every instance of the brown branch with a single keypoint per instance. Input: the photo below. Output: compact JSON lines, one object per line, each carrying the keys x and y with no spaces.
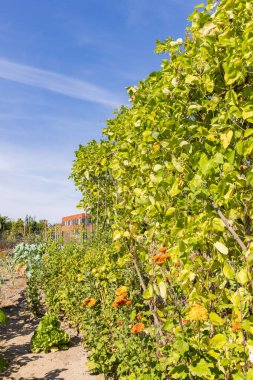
{"x":228,"y":225}
{"x":151,"y":305}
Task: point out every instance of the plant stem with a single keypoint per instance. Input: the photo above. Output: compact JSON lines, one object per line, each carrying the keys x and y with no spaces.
{"x":228,"y":225}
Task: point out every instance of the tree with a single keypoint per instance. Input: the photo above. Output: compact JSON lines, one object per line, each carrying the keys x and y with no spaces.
{"x":5,"y":224}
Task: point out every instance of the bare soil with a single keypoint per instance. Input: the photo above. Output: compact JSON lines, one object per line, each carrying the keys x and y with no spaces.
{"x":15,"y":339}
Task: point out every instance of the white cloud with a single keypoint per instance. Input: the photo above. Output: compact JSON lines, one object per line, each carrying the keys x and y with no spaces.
{"x":35,"y":182}
{"x":62,"y":84}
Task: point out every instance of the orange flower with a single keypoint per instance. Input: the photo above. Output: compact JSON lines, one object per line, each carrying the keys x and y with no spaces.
{"x":177,"y":264}
{"x":90,"y":302}
{"x":235,"y":326}
{"x":139,"y":317}
{"x":121,"y":301}
{"x":163,"y":249}
{"x":160,"y":258}
{"x":137,"y":328}
{"x":85,"y":301}
{"x":121,"y":290}
{"x":128,"y":303}
{"x":185,"y":321}
{"x":120,"y":322}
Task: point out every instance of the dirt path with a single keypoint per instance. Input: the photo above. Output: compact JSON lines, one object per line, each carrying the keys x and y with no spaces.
{"x":15,"y":344}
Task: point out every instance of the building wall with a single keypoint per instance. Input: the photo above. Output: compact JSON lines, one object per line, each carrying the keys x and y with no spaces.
{"x":73,"y":226}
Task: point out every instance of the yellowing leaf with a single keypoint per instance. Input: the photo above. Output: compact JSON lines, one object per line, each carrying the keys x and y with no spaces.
{"x":221,"y":247}
{"x":170,"y":211}
{"x":226,"y":139}
{"x":201,"y":369}
{"x":163,"y":289}
{"x":175,"y":189}
{"x":191,"y":79}
{"x":216,"y":319}
{"x":248,"y":132}
{"x":228,"y":272}
{"x":218,"y":341}
{"x":208,"y":28}
{"x":116,"y":235}
{"x":242,"y":277}
{"x":248,"y":114}
{"x":149,"y":292}
{"x":177,"y":165}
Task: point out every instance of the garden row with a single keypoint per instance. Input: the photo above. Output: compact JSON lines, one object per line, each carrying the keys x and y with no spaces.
{"x":171,"y":183}
{"x":165,"y":289}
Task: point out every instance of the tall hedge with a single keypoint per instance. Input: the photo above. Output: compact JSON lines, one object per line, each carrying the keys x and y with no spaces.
{"x":173,"y":176}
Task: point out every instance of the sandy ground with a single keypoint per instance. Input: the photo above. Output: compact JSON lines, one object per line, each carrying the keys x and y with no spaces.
{"x":15,"y":344}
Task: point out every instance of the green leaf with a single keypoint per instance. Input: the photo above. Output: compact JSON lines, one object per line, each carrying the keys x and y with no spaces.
{"x":205,"y":163}
{"x":149,"y":292}
{"x":216,"y":319}
{"x":201,"y":369}
{"x":3,"y":318}
{"x":218,"y":224}
{"x":218,"y":341}
{"x":242,"y":277}
{"x":181,"y":346}
{"x":170,"y":211}
{"x":228,"y":272}
{"x":249,"y":375}
{"x":179,"y":372}
{"x":246,"y":324}
{"x":247,"y":113}
{"x":221,"y":247}
{"x":238,"y":376}
{"x":248,"y":132}
{"x":175,"y":188}
{"x":168,"y":326}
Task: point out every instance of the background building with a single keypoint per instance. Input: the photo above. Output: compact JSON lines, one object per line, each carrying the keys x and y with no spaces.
{"x":76,"y":227}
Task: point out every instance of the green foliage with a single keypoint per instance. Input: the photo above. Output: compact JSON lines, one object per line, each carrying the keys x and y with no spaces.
{"x":28,"y":257}
{"x":173,"y":174}
{"x":3,"y":318}
{"x":2,"y":363}
{"x":48,"y":335}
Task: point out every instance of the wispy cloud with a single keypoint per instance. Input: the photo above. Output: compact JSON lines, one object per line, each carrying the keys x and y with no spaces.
{"x":62,"y":84}
{"x":35,"y":183}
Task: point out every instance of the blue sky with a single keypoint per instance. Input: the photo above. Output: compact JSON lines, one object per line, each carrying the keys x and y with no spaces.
{"x":64,"y":66}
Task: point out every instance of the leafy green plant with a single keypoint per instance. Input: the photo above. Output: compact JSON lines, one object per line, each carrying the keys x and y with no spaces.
{"x":28,"y":257}
{"x":3,"y":320}
{"x":48,"y":335}
{"x":2,"y":363}
{"x":3,"y":317}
